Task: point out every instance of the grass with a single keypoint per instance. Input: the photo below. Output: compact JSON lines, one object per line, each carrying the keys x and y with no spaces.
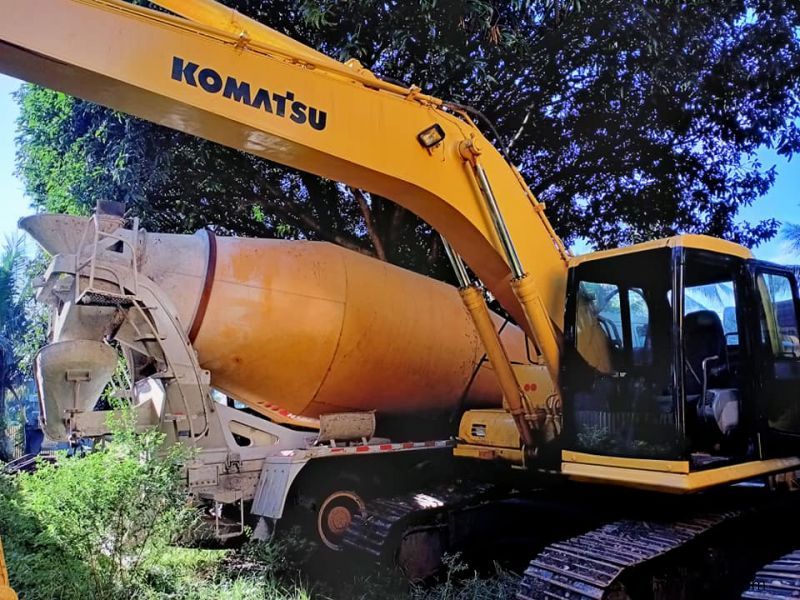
{"x":196,"y":574}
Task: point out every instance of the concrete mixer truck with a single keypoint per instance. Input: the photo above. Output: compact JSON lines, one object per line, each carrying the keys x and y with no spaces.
{"x":307,"y":341}
{"x":616,"y":369}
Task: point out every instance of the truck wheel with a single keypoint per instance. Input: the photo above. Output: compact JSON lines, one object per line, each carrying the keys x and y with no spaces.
{"x":335,"y":515}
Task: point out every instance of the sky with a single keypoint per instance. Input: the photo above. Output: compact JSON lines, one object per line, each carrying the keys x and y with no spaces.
{"x":12,"y":201}
{"x":781,"y":202}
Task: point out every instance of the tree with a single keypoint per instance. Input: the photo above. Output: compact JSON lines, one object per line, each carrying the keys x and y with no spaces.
{"x":13,"y":326}
{"x":630,"y":120}
{"x":791,"y":233}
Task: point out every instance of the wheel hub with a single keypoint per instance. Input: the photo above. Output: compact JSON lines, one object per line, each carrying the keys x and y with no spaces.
{"x":335,"y":516}
{"x":339,"y":519}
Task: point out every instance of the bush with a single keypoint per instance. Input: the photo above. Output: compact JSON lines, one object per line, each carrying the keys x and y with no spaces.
{"x":92,"y":527}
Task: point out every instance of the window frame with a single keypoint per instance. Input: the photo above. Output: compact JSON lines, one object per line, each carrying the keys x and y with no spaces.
{"x":776,"y":341}
{"x":668,"y":257}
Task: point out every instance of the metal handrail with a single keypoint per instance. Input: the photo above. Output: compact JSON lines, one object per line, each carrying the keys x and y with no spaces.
{"x":91,"y":261}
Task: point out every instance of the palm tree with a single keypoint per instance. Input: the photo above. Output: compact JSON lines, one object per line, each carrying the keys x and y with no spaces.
{"x":13,"y":324}
{"x":791,"y":233}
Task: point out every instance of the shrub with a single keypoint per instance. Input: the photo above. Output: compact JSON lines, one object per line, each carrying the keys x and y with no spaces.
{"x":104,"y":527}
{"x":92,"y":527}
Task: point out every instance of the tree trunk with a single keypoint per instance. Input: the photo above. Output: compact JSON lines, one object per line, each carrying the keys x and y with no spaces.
{"x":380,"y":252}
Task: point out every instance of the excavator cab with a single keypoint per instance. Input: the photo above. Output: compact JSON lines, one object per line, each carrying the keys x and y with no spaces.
{"x":681,"y":368}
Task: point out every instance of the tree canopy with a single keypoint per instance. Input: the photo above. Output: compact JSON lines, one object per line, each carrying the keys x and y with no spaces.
{"x":631,"y":120}
{"x":15,"y":321}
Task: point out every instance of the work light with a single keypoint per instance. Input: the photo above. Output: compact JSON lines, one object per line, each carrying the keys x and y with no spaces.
{"x":431,"y":137}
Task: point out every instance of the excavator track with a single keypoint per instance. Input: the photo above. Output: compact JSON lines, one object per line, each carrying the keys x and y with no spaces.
{"x":587,"y":566}
{"x":380,"y":530}
{"x":776,"y":581}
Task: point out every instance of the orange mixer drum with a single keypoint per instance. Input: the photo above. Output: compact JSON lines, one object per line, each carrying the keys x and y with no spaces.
{"x":315,"y":328}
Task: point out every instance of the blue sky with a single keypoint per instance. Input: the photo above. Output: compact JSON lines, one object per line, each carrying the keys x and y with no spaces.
{"x":12,"y":203}
{"x":782,"y":201}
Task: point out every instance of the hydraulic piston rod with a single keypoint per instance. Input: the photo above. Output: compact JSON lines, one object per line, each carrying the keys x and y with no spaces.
{"x":522,"y":283}
{"x":473,"y":299}
{"x":499,"y":223}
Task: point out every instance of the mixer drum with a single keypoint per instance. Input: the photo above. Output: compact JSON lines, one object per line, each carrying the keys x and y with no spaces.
{"x":314,"y":328}
{"x":309,"y":327}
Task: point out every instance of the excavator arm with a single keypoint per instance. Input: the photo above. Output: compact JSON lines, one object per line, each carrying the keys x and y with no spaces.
{"x":229,"y":79}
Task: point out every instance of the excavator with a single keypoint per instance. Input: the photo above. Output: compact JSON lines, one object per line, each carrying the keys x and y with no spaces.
{"x":653,"y":372}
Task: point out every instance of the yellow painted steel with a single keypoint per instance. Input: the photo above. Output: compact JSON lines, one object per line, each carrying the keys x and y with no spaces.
{"x":490,"y":428}
{"x":699,"y":242}
{"x":678,"y":483}
{"x":313,"y":328}
{"x":6,"y":593}
{"x":512,"y":391}
{"x":217,"y":17}
{"x":122,"y":56}
{"x":540,"y":322}
{"x":509,"y":455}
{"x":497,"y":426}
{"x":244,"y":28}
{"x":665,"y":466}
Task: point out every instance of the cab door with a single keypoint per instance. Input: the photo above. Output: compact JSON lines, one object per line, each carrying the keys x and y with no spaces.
{"x":776,"y":338}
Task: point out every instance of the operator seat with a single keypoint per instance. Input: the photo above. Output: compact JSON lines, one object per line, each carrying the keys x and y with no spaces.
{"x":703,"y":337}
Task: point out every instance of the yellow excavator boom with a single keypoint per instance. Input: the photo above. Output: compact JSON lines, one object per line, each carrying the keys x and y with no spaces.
{"x":228,"y":79}
{"x":223,"y":18}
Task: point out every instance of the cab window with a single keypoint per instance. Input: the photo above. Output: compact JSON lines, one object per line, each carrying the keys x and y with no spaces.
{"x":779,"y":331}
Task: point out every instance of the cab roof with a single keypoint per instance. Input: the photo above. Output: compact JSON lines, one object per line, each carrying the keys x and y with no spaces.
{"x":699,"y":242}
